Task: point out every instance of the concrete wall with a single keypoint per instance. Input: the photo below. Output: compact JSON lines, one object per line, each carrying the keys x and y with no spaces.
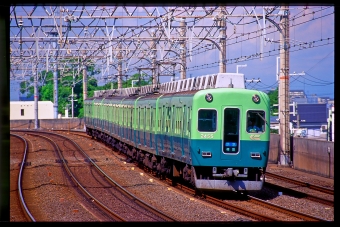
{"x":24,"y":110}
{"x":309,"y":155}
{"x":65,"y":123}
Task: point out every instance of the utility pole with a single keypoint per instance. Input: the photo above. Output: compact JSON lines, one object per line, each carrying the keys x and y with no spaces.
{"x":55,"y":89}
{"x":183,"y":51}
{"x":73,"y":95}
{"x":153,"y":59}
{"x":36,"y":91}
{"x":55,"y":46}
{"x":36,"y":98}
{"x":84,"y":82}
{"x":120,"y":66}
{"x":222,"y":41}
{"x":284,"y":88}
{"x":279,"y":95}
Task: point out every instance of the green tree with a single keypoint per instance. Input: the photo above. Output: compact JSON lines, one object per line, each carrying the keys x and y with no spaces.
{"x":127,"y":82}
{"x":274,"y":99}
{"x":66,"y":80}
{"x":91,"y":87}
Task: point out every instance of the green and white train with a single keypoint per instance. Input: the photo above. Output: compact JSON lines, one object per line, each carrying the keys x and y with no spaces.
{"x":197,"y":129}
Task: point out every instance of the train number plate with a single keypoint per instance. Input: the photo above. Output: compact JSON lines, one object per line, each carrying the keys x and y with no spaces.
{"x":207,"y":136}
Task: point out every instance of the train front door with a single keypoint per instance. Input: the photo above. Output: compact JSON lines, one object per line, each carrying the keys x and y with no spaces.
{"x":231,"y":134}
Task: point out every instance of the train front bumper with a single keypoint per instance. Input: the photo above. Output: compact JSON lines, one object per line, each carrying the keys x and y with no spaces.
{"x":229,"y":185}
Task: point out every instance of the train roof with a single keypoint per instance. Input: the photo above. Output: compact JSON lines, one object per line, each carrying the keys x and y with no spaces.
{"x":219,"y":80}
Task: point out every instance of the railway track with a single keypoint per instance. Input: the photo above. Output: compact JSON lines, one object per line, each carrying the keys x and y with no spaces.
{"x":272,"y":209}
{"x":267,"y":205}
{"x":139,"y":207}
{"x":23,"y":145}
{"x":300,"y":189}
{"x":35,"y":185}
{"x":252,"y":202}
{"x":301,"y":183}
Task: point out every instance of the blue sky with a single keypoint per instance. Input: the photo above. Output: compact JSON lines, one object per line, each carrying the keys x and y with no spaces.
{"x":312,"y":52}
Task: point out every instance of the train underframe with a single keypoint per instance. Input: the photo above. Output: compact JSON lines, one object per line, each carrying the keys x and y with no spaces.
{"x":203,"y":178}
{"x":159,"y":165}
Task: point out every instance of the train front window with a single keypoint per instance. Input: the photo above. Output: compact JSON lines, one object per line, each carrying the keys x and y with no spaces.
{"x":231,"y":130}
{"x":255,"y":121}
{"x":207,"y":120}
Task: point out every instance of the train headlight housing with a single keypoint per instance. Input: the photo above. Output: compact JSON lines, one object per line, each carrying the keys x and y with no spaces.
{"x":208,"y":97}
{"x":256,"y":98}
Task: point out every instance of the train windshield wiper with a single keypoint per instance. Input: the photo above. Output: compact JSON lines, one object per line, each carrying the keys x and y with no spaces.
{"x":263,"y":119}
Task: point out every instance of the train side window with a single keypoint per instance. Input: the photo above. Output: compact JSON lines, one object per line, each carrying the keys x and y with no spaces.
{"x":189,"y":120}
{"x":207,"y":120}
{"x":160,"y":119}
{"x":168,"y":117}
{"x":139,"y":110}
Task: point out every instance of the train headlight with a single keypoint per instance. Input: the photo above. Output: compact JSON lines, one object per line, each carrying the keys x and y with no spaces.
{"x":208,"y":97}
{"x":256,"y":98}
{"x":262,"y":177}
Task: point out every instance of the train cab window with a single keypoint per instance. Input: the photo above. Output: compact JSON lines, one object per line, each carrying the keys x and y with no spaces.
{"x":207,"y":120}
{"x":255,"y":121}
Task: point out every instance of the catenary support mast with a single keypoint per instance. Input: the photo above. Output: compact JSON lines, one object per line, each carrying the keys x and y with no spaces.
{"x":284,"y":88}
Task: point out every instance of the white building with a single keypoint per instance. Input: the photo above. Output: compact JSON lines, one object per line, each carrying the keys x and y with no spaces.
{"x":24,"y":110}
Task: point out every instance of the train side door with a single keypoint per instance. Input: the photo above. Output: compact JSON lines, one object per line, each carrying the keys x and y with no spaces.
{"x":231,"y":134}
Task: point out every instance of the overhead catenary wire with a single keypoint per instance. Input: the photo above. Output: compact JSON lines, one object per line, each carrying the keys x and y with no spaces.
{"x":201,"y":47}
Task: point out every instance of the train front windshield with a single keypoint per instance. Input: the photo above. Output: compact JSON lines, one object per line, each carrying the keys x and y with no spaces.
{"x":255,"y":121}
{"x":207,"y":120}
